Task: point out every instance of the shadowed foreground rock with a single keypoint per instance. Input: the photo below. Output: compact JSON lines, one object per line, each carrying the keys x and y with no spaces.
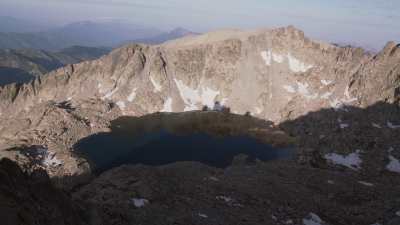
{"x":278,"y":192}
{"x":32,"y":199}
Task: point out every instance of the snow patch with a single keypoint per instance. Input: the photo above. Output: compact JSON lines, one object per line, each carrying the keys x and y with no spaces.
{"x":224,"y":198}
{"x":376,"y":125}
{"x":296,"y":65}
{"x":366,"y":183}
{"x":218,"y":107}
{"x":258,"y":110}
{"x":51,"y":160}
{"x":267,"y":56}
{"x":167,"y":105}
{"x":139,"y":202}
{"x":352,"y":161}
{"x":121,"y":105}
{"x":342,"y":125}
{"x":193,"y":97}
{"x":278,"y":58}
{"x":339,"y":104}
{"x":224,"y":101}
{"x":326,"y":95}
{"x":392,"y":126}
{"x":326,"y":82}
{"x":312,"y":219}
{"x":132,"y":95}
{"x":157,"y":86}
{"x":289,"y":88}
{"x":303,"y":90}
{"x":213,"y":178}
{"x":109,"y":94}
{"x":202,"y":215}
{"x":336,"y":104}
{"x":394,"y":164}
{"x":348,"y":98}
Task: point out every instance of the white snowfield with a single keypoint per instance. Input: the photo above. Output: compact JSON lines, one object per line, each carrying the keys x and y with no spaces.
{"x":194,"y":97}
{"x":394,"y":164}
{"x":339,"y":104}
{"x":392,"y":125}
{"x":302,"y":89}
{"x":139,"y":202}
{"x":326,"y":95}
{"x":157,"y":86}
{"x":366,"y":183}
{"x":295,"y":65}
{"x":202,"y":215}
{"x":289,"y":88}
{"x":132,"y":95}
{"x":352,"y":161}
{"x":343,"y":125}
{"x":224,"y":198}
{"x":167,"y":105}
{"x":312,"y":219}
{"x":376,"y":125}
{"x":109,"y":94}
{"x":121,"y":105}
{"x":51,"y":160}
{"x":326,"y":82}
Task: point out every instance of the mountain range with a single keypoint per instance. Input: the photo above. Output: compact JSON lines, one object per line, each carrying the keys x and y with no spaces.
{"x":85,"y":33}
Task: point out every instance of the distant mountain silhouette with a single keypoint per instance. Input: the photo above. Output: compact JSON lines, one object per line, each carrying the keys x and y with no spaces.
{"x":86,"y":33}
{"x":171,"y":35}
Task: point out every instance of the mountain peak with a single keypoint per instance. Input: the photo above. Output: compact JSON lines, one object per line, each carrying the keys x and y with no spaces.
{"x":181,"y":31}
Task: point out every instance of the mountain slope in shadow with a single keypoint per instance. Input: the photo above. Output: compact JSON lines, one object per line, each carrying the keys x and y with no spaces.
{"x":24,"y":65}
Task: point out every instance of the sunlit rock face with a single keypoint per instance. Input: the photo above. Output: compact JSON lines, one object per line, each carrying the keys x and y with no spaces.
{"x":266,"y":72}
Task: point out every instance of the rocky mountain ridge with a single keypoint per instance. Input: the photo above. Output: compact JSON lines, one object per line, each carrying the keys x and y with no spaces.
{"x":279,"y":68}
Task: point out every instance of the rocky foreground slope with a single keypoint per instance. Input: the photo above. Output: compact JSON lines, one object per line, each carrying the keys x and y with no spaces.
{"x":341,"y":105}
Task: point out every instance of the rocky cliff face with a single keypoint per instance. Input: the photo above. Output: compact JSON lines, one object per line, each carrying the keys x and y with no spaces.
{"x":276,"y":75}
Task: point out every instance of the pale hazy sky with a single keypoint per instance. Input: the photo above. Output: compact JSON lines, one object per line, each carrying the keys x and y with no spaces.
{"x":369,"y":23}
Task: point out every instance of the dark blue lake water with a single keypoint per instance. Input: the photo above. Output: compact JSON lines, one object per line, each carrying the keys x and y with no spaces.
{"x":108,"y":150}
